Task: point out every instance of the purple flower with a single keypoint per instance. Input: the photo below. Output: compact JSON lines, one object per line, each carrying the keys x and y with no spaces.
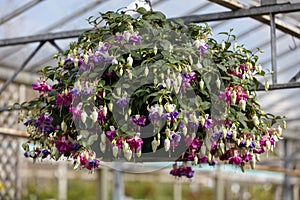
{"x":135,"y":143}
{"x":237,"y":160}
{"x":63,"y":145}
{"x":135,"y":39}
{"x":202,"y":49}
{"x":138,"y":120}
{"x":123,"y":102}
{"x":111,"y":133}
{"x":93,"y":164}
{"x":44,"y":123}
{"x":64,"y":99}
{"x":172,"y":116}
{"x":175,"y":139}
{"x":75,"y":146}
{"x":30,"y":122}
{"x":203,"y":159}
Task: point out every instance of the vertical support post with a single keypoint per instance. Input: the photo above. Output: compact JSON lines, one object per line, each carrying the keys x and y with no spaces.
{"x":278,"y":192}
{"x":62,"y":179}
{"x":177,"y":191}
{"x":118,"y":189}
{"x":296,"y":192}
{"x":273,"y":48}
{"x":219,"y":185}
{"x":102,"y":191}
{"x":287,"y":190}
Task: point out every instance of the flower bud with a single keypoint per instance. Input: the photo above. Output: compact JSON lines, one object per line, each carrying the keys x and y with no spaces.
{"x":129,"y":60}
{"x":64,"y":126}
{"x":255,"y":120}
{"x":167,"y":144}
{"x":267,"y":85}
{"x":114,"y":61}
{"x":218,"y":83}
{"x":233,"y":97}
{"x":279,"y":130}
{"x":268,"y":144}
{"x":284,"y":124}
{"x":209,"y":157}
{"x":110,"y":106}
{"x":235,"y":46}
{"x":102,"y":147}
{"x":76,"y":62}
{"x":138,"y":153}
{"x":171,"y":48}
{"x":83,"y":116}
{"x":242,"y":104}
{"x":184,"y":130}
{"x":197,"y":43}
{"x":222,"y":147}
{"x":118,"y":91}
{"x":121,"y":71}
{"x":168,"y":132}
{"x":103,"y":138}
{"x":62,"y":62}
{"x":105,"y":110}
{"x":94,"y":116}
{"x":86,"y":58}
{"x":223,"y":45}
{"x":168,"y":83}
{"x":201,"y":84}
{"x":224,"y":132}
{"x":196,"y":159}
{"x":115,"y":151}
{"x":155,"y":50}
{"x":154,"y":145}
{"x":146,"y":72}
{"x":128,"y":154}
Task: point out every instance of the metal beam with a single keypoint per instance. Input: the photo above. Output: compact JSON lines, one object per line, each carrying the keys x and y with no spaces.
{"x":251,"y":12}
{"x":19,"y":11}
{"x":8,"y":81}
{"x":42,"y":37}
{"x":235,"y":5}
{"x":280,"y":86}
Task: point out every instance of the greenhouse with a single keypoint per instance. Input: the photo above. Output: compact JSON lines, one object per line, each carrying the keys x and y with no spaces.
{"x":149,"y":99}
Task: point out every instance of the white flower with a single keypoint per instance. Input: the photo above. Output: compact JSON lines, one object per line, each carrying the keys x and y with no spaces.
{"x":279,"y":130}
{"x":155,"y":50}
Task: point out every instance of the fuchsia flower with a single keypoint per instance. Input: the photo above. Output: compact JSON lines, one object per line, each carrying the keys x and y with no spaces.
{"x":182,"y":170}
{"x":138,"y":120}
{"x":64,"y":99}
{"x":42,"y":86}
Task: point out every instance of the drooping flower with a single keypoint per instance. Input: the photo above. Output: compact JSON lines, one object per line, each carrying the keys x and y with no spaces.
{"x":44,"y":123}
{"x":138,"y":120}
{"x":42,"y":86}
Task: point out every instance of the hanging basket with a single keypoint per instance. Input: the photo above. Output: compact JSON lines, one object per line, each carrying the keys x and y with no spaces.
{"x":146,"y":88}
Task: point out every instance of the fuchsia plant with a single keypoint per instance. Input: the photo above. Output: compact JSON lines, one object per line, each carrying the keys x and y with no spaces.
{"x":146,"y":86}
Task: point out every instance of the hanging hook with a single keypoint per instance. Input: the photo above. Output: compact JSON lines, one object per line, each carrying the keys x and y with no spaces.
{"x":294,"y":46}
